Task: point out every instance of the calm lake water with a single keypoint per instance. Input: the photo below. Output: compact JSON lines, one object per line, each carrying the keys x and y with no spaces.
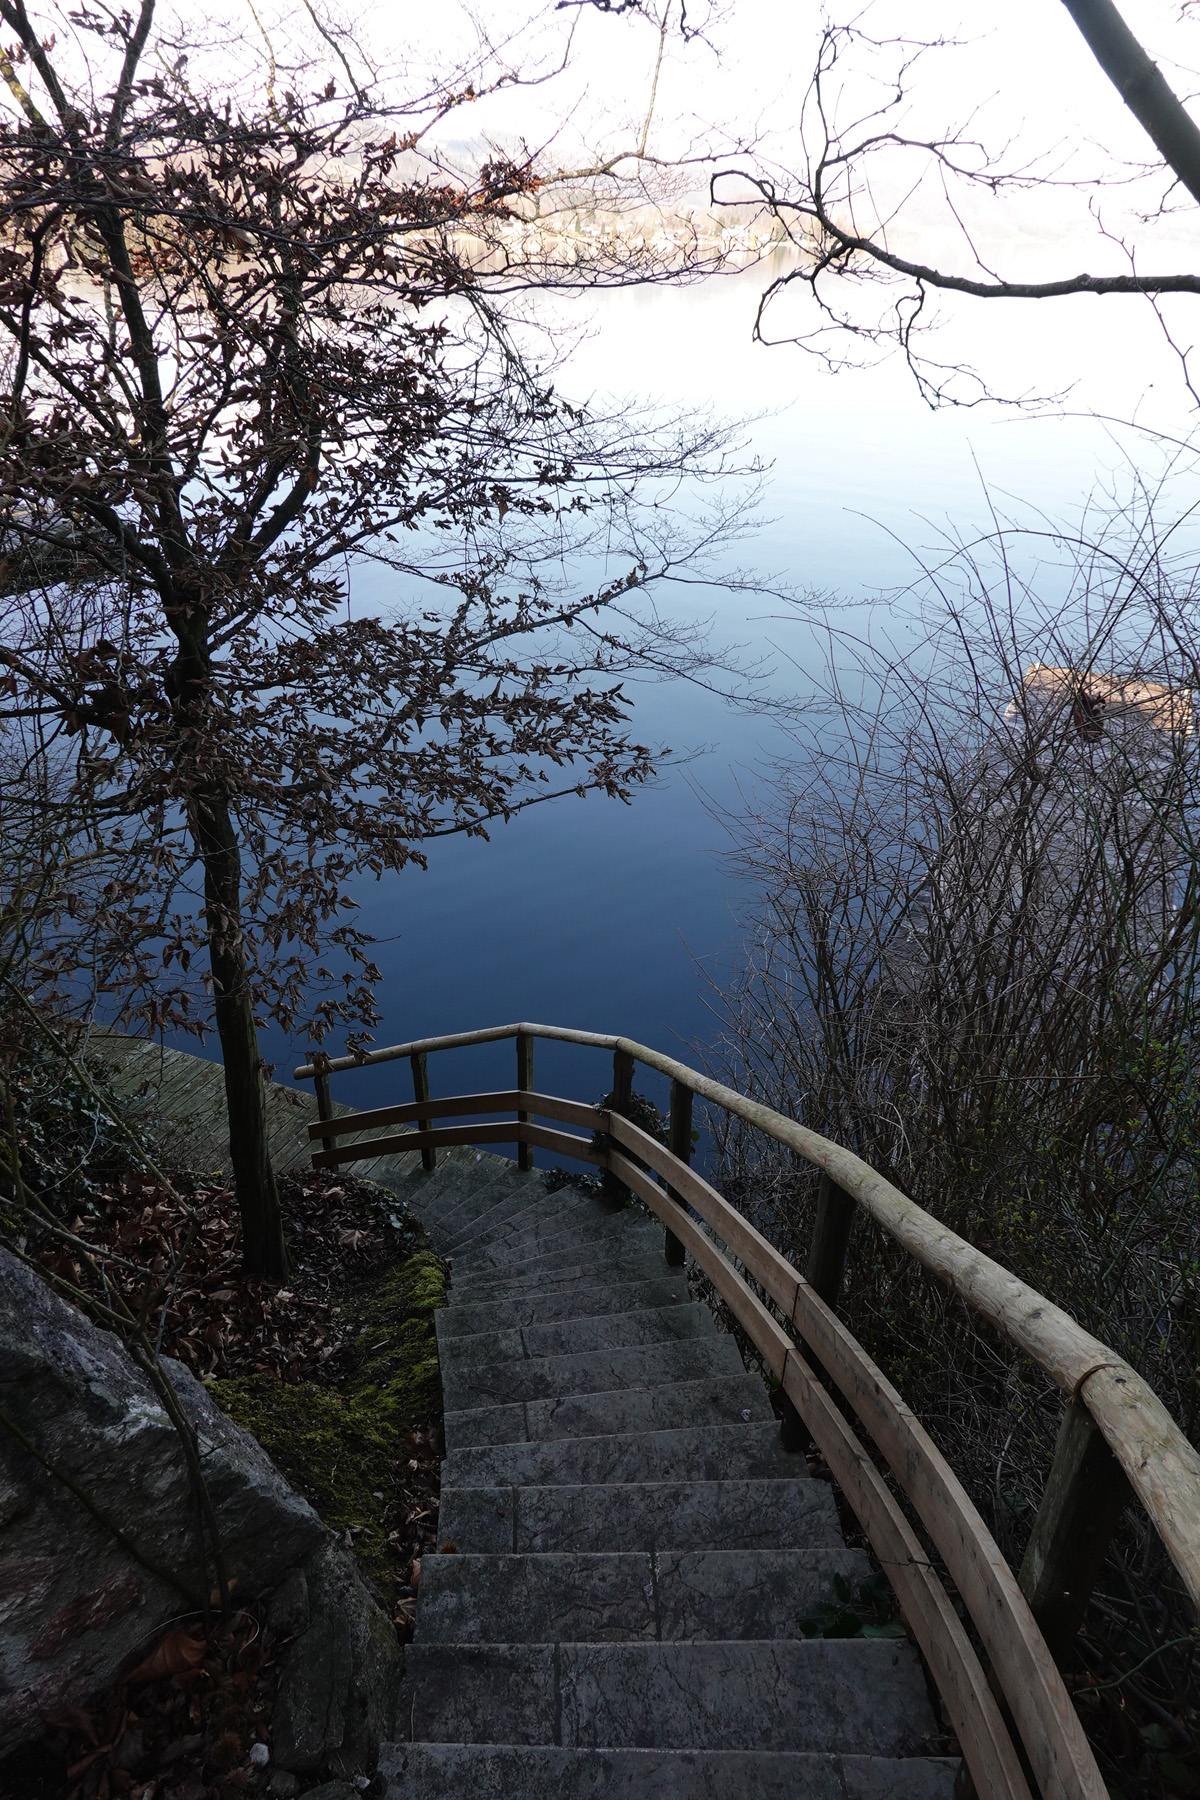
{"x":617,"y":919}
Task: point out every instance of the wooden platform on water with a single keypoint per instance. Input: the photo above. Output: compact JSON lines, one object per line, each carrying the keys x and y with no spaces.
{"x":178,"y":1100}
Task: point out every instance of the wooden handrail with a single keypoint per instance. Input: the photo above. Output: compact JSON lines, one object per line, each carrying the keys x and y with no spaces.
{"x":572,"y":1112}
{"x":1160,"y":1464}
{"x":1032,"y":1685}
{"x":456,"y":1040}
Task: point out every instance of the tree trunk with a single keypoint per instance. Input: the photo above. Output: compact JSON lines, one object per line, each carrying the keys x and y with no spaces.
{"x":1142,"y":86}
{"x":263,"y":1249}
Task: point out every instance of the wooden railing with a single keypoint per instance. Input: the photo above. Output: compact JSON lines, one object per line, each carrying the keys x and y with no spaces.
{"x":1117,"y":1439}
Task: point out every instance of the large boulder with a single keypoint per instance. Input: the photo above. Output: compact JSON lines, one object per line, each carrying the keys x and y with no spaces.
{"x":98,"y":1516}
{"x":338,"y":1679}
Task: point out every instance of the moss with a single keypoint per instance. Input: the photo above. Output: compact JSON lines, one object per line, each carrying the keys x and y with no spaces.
{"x":338,"y":1445}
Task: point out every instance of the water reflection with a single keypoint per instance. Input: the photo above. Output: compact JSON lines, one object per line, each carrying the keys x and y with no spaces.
{"x":608,"y":917}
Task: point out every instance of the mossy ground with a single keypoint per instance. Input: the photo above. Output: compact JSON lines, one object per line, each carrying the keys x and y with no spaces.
{"x":339,"y":1443}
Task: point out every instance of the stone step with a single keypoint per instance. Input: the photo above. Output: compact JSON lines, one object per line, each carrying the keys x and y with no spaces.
{"x":518,"y":1772}
{"x":528,"y":1208}
{"x":545,"y":1239}
{"x":568,"y":1246}
{"x":650,"y":1515}
{"x":455,"y":1180}
{"x":629,"y":1262}
{"x":843,"y":1696}
{"x":444,"y":1187}
{"x":588,"y":1372}
{"x":580,"y":1300}
{"x":668,"y":1596}
{"x":413,"y":1187}
{"x":472,"y":1200}
{"x":562,"y":1337}
{"x":692,"y":1453}
{"x":722,"y":1401}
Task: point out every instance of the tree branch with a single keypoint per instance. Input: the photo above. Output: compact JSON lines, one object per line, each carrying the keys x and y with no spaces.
{"x":1143,"y":88}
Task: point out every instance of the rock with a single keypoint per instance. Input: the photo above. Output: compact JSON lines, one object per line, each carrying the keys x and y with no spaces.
{"x":333,"y":1790}
{"x":283,"y":1785}
{"x":76,"y":1603}
{"x":335,"y":1703}
{"x":287,"y":1614}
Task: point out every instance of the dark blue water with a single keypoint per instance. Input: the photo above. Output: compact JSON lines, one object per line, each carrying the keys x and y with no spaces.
{"x":607,"y":917}
{"x":616,"y":919}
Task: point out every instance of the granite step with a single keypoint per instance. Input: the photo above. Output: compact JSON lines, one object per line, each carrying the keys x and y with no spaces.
{"x":467,"y":1204}
{"x":578,"y":1300}
{"x":722,"y":1401}
{"x":595,"y":1371}
{"x":629,"y":1553}
{"x":545,"y":1239}
{"x":562,"y":1337}
{"x":692,"y":1453}
{"x":842,"y":1696}
{"x":448,"y":1185}
{"x":651,"y":1515}
{"x":622,"y":1596}
{"x":518,"y":1772}
{"x":417,"y":1186}
{"x":531,"y":1207}
{"x":634,"y":1262}
{"x":572,"y":1245}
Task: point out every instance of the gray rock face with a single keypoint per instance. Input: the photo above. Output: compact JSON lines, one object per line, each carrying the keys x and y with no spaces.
{"x":337,"y":1682}
{"x":77,"y":1604}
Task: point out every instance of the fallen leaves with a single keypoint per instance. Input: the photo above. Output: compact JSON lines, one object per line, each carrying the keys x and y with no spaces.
{"x":220,"y":1324}
{"x":190,"y":1722}
{"x":413,"y":1515}
{"x":214,"y":1319}
{"x":178,"y":1652}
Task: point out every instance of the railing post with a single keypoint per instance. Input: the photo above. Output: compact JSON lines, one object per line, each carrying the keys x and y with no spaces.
{"x":324,"y":1098}
{"x":420,"y":1075}
{"x":615,"y":1190}
{"x":679,"y":1143}
{"x":525,"y":1083}
{"x":1083,"y":1502}
{"x":622,"y":1081}
{"x":830,"y":1240}
{"x":825,"y":1268}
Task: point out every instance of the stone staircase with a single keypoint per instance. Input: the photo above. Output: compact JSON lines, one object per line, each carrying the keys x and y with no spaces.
{"x":627,"y":1549}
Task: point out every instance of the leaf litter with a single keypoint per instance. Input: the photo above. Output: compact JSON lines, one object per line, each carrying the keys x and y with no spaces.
{"x":192,"y":1720}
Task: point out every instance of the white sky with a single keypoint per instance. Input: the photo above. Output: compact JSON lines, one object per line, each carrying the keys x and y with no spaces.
{"x":1022,"y":73}
{"x":1021,"y":79}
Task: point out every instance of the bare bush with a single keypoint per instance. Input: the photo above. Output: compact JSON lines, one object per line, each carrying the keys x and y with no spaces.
{"x":973,"y":960}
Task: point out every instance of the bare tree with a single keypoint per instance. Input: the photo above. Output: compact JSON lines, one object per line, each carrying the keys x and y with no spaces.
{"x":879,"y":181}
{"x":254,"y":342}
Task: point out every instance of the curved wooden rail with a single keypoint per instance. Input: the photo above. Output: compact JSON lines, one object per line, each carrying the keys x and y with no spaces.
{"x":1160,"y":1464}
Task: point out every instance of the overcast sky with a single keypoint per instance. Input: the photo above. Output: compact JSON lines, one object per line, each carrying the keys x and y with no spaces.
{"x":1021,"y":78}
{"x":1023,"y":59}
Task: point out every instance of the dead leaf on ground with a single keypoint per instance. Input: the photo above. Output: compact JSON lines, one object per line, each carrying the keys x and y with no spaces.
{"x":178,"y":1653}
